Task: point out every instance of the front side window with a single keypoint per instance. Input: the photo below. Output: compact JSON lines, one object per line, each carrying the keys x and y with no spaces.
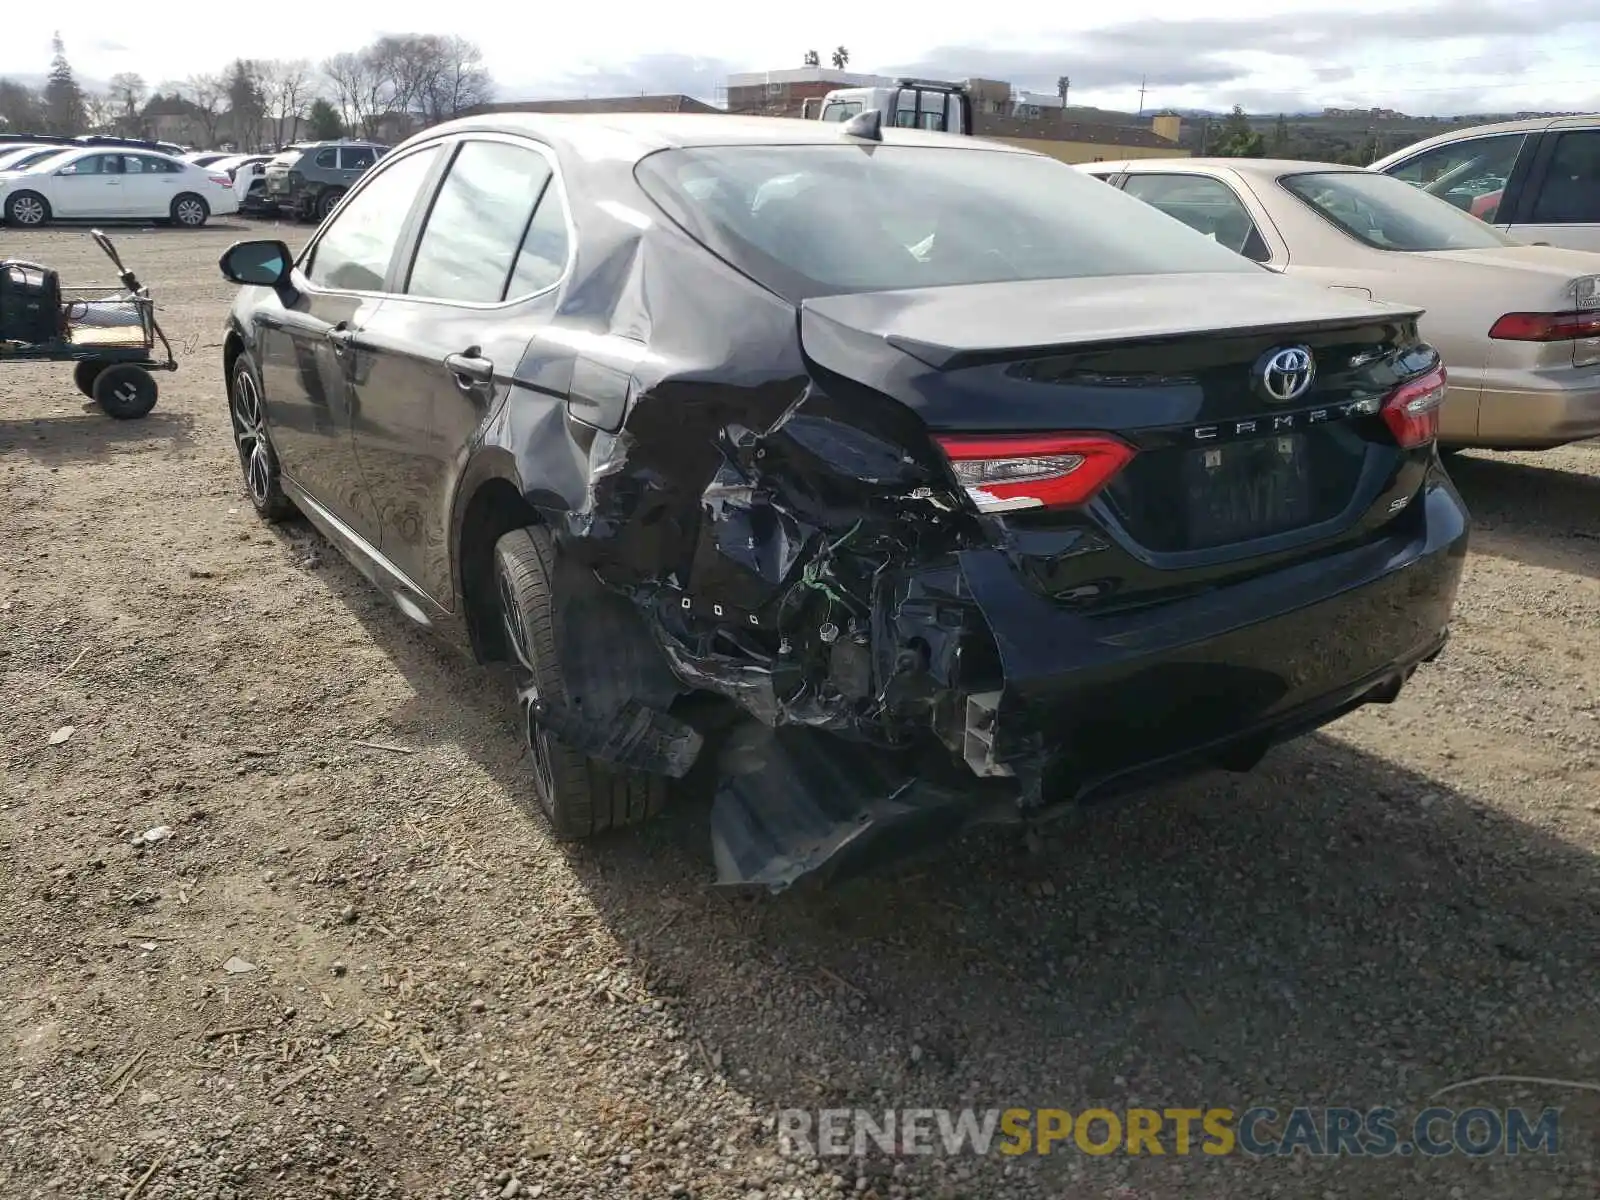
{"x":1389,"y":215}
{"x":1207,"y":206}
{"x":1469,"y":174}
{"x":354,"y":251}
{"x":841,"y":110}
{"x":479,"y":220}
{"x":357,"y":158}
{"x":814,"y":220}
{"x":1570,"y":194}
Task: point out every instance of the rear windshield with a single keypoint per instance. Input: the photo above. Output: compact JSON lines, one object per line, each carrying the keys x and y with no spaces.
{"x":1390,"y":214}
{"x":817,"y":220}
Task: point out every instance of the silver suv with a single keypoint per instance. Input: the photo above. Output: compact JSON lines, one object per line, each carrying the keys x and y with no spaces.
{"x":1539,"y":179}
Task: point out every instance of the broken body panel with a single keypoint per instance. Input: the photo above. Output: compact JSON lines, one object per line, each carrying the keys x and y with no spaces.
{"x":763,"y":482}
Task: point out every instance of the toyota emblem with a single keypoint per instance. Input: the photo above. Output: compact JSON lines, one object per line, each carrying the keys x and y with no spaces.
{"x":1285,"y":375}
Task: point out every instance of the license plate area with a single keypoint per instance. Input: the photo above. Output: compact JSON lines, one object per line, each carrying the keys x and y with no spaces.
{"x":1247,"y":489}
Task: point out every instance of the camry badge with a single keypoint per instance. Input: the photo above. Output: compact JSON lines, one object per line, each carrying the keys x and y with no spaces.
{"x":1285,"y":375}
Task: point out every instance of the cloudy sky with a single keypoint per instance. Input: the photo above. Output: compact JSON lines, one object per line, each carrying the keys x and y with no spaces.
{"x":1438,"y":56}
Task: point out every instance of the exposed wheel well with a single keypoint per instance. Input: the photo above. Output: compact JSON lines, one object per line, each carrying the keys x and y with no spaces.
{"x":495,"y":509}
{"x":232,"y":347}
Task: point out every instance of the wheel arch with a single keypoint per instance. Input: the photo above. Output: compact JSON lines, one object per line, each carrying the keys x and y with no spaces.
{"x":232,"y":347}
{"x":489,"y":504}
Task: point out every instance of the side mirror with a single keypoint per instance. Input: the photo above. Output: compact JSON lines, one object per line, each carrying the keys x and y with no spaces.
{"x":264,"y":264}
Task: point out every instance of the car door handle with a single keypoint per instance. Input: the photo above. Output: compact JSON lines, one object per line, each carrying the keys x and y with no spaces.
{"x":471,"y":369}
{"x":341,"y":336}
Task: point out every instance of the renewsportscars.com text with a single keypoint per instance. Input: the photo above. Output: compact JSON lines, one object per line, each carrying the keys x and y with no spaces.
{"x":1259,"y":1131}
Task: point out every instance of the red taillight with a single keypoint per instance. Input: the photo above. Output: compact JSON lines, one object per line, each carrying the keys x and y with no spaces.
{"x":1412,"y":409}
{"x":1012,"y":471}
{"x":221,"y":180}
{"x":1546,"y":327}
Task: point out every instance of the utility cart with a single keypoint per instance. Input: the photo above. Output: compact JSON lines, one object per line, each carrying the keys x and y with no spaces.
{"x":109,"y":334}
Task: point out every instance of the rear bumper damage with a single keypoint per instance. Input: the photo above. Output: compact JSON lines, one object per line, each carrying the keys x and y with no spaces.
{"x":1087,"y":715}
{"x":907,"y":675}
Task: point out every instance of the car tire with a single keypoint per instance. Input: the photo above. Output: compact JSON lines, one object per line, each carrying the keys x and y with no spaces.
{"x":578,"y":795}
{"x":28,"y":210}
{"x":85,"y":373}
{"x":125,"y":391}
{"x":190,"y":211}
{"x":328,"y":202}
{"x":258,"y":461}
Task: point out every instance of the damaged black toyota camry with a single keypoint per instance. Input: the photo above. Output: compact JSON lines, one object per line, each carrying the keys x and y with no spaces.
{"x":977,"y":487}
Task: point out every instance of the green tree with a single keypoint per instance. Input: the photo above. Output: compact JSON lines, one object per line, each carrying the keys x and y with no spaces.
{"x":20,"y":108}
{"x":247,"y":107}
{"x":1237,"y":139}
{"x":324,"y":121}
{"x":64,"y":111}
{"x":841,"y":58}
{"x":1280,"y":138}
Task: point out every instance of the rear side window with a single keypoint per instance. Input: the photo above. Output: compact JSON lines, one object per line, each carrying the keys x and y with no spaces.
{"x":327,"y":158}
{"x":478,"y":224}
{"x":1208,"y":206}
{"x":1570,"y":194}
{"x":815,"y":220}
{"x":542,"y":259}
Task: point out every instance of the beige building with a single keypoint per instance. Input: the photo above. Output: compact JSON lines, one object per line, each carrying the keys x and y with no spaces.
{"x":1082,"y":141}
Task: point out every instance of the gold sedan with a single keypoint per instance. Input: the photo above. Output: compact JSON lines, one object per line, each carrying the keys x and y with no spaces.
{"x":1518,"y":326}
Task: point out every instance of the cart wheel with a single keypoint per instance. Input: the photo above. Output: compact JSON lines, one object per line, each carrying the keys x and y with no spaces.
{"x":125,"y":391}
{"x":85,"y":374}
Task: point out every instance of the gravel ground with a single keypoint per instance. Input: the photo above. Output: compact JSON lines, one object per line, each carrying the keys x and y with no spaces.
{"x":433,"y":999}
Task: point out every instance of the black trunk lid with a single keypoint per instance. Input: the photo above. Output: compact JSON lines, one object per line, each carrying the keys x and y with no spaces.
{"x":1231,"y":472}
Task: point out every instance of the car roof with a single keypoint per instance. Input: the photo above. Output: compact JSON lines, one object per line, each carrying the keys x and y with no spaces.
{"x":1270,"y":168}
{"x":645,"y":133}
{"x":1527,"y":125}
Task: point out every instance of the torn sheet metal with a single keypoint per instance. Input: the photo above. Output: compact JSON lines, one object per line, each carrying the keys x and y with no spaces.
{"x":794,"y":802}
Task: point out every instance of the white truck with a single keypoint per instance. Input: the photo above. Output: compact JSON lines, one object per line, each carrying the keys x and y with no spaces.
{"x":910,"y":104}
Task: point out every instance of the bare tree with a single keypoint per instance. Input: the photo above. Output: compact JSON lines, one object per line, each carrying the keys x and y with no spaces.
{"x":101,"y":109}
{"x":841,"y":58}
{"x":458,"y":80}
{"x":286,"y":88}
{"x":208,"y":94}
{"x":128,"y":92}
{"x":358,"y":90}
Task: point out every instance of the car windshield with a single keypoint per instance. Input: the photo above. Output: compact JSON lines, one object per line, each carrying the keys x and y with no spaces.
{"x":1388,"y":214}
{"x":31,"y":158}
{"x":814,"y":220}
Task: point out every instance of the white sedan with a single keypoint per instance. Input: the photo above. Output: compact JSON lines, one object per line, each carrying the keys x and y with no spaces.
{"x":95,"y":183}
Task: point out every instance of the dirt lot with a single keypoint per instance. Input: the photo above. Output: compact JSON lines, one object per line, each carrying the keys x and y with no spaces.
{"x":439,"y":1001}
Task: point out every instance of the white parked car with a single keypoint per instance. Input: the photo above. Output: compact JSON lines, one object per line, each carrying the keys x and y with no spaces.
{"x":16,"y":155}
{"x":110,"y":185}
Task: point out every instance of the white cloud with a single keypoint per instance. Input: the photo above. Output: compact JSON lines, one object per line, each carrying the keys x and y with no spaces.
{"x":1435,"y":56}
